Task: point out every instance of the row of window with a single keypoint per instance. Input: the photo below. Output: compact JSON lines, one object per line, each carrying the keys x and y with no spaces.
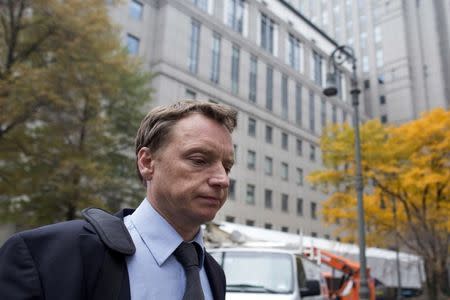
{"x":252,"y":80}
{"x":284,"y":142}
{"x":268,"y":167}
{"x":236,"y":18}
{"x":268,"y":200}
{"x":293,"y":58}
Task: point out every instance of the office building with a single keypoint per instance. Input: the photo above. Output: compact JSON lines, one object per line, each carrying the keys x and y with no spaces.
{"x":402,"y":47}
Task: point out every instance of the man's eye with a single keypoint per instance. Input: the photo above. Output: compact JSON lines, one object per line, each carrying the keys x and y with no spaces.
{"x":198,"y":161}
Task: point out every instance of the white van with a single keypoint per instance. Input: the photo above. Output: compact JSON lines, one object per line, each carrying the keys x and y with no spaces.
{"x":260,"y":273}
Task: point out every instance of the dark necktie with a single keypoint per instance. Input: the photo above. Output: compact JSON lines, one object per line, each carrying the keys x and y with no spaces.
{"x":187,"y":255}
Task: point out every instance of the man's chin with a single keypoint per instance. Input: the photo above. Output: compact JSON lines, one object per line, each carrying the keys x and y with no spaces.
{"x":207,"y":216}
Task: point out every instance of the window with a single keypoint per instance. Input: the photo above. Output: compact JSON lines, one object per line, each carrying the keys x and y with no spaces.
{"x":269,"y":134}
{"x":382,"y":99}
{"x":250,"y":199}
{"x":327,"y":236}
{"x":190,"y":94}
{"x":334,"y":114}
{"x":299,"y":147}
{"x":268,"y":166}
{"x":284,"y":97}
{"x":251,"y":127}
{"x":384,"y":119}
{"x":251,"y":159}
{"x":365,"y":63}
{"x":313,"y":210}
{"x":235,"y":148}
{"x":215,"y":64}
{"x":194,"y":42}
{"x":317,"y":64}
{"x":269,"y":88}
{"x":284,"y":171}
{"x":312,"y":126}
{"x":379,"y":58}
{"x":339,"y":77}
{"x":235,"y":15}
{"x":133,"y":44}
{"x":284,"y":141}
{"x":284,"y":229}
{"x":284,"y":203}
{"x":294,"y":52}
{"x":312,"y":152}
{"x":298,"y":104}
{"x":267,"y":226}
{"x":299,"y":206}
{"x":344,"y":116}
{"x":135,"y":9}
{"x":363,"y":40}
{"x":299,"y":176}
{"x":252,"y":79}
{"x":313,"y":234}
{"x":202,"y":4}
{"x":323,"y":112}
{"x":377,"y":32}
{"x":235,"y":70}
{"x":230,"y":219}
{"x":250,"y":222}
{"x":267,"y":33}
{"x":268,"y":198}
{"x":324,"y":18}
{"x":232,"y":190}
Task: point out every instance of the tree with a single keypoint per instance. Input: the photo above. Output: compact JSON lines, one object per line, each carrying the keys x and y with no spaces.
{"x":407,"y":166}
{"x":71,"y":100}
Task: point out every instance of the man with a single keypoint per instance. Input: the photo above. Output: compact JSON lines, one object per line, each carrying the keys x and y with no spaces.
{"x":184,"y":153}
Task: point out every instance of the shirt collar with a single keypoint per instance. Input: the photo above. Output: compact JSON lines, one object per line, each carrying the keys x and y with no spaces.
{"x":160,"y":238}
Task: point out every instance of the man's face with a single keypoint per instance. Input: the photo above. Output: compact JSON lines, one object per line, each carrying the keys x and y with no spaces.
{"x":189,"y":180}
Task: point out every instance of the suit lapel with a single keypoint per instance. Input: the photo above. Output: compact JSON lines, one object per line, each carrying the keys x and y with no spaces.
{"x":216,"y":277}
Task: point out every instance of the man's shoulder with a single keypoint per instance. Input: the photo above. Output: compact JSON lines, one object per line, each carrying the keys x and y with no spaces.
{"x":64,"y":230}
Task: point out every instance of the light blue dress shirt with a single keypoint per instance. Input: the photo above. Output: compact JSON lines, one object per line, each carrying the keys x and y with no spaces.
{"x":154,"y":272}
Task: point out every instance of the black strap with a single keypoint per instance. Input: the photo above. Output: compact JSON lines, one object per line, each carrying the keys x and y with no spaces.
{"x":109,"y":281}
{"x":117,"y":239}
{"x":110,"y":229}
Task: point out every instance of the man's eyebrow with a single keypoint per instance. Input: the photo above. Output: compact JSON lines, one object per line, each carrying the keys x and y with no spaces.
{"x":199,"y":149}
{"x":230,"y":162}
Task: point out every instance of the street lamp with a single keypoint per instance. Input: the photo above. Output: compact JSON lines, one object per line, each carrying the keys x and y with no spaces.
{"x":340,"y":55}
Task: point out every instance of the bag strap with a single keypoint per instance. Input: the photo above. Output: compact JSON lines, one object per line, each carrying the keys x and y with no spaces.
{"x":111,"y":230}
{"x":117,"y":239}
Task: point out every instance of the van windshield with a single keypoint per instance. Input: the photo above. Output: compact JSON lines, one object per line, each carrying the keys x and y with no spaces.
{"x":257,"y":272}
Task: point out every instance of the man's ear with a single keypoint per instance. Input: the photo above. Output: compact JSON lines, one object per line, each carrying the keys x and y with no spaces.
{"x":146,"y":163}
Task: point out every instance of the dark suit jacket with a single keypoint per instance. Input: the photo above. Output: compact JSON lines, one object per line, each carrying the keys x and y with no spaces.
{"x":63,"y":261}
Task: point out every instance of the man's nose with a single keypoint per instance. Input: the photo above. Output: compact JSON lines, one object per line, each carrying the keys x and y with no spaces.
{"x":220,"y":178}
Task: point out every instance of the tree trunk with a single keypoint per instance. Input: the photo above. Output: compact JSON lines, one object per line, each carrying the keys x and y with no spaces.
{"x":435,"y":276}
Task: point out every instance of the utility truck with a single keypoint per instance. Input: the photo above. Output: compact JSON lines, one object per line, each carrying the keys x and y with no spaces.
{"x":266,"y":273}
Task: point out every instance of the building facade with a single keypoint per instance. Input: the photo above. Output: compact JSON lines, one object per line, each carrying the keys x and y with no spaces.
{"x":263,"y":59}
{"x":402,"y":47}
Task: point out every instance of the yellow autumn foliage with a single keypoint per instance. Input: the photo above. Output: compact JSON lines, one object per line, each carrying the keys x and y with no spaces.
{"x":407,"y":166}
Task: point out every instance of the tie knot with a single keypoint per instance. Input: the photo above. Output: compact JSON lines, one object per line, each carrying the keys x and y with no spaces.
{"x":187,"y":255}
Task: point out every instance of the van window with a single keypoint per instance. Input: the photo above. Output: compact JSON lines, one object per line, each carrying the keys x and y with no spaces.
{"x":257,"y":272}
{"x":301,"y":276}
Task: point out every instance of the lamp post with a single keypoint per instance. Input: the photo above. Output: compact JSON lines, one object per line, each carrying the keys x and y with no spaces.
{"x":397,"y":250}
{"x":340,"y":55}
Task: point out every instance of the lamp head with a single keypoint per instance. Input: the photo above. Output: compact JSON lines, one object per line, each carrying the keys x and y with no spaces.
{"x":331,"y":85}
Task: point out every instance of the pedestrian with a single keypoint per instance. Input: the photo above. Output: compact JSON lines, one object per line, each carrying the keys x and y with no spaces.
{"x":184,"y":153}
